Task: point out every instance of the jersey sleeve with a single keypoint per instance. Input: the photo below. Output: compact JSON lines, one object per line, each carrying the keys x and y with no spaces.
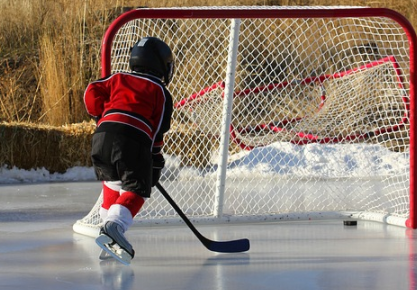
{"x":95,"y":96}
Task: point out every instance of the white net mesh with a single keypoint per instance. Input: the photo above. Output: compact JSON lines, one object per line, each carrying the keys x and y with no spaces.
{"x":291,"y":111}
{"x":319,"y":121}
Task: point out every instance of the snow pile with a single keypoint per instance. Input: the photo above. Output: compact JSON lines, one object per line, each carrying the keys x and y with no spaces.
{"x":336,"y":160}
{"x":16,"y":175}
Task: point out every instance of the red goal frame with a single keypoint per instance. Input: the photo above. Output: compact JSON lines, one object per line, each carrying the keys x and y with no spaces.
{"x":296,"y":12}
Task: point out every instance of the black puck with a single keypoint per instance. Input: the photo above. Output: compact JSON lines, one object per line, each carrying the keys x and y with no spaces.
{"x":350,"y":223}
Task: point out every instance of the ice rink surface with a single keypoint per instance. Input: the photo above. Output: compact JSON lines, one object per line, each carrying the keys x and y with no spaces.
{"x":39,"y":250}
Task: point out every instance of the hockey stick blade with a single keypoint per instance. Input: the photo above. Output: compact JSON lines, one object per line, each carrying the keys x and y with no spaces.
{"x":233,"y":246}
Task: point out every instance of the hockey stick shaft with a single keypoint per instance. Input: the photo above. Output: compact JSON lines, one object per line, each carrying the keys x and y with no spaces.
{"x":234,"y":246}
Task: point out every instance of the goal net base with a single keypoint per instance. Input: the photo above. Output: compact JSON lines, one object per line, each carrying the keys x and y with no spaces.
{"x":93,"y":230}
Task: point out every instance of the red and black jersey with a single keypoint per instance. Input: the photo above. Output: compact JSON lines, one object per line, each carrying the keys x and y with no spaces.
{"x":131,"y":103}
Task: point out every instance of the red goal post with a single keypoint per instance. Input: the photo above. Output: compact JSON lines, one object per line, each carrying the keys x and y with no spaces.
{"x":346,"y":76}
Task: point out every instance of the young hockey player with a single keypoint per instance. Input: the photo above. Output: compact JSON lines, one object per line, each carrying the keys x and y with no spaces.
{"x":133,"y":111}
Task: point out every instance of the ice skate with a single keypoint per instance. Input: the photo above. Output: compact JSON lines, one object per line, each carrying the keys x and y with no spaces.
{"x":112,"y":240}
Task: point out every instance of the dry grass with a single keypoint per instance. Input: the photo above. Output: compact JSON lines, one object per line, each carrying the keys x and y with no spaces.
{"x":54,"y":148}
{"x":51,"y":50}
{"x":57,"y":45}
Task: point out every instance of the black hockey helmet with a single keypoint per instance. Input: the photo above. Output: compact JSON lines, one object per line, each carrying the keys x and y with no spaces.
{"x":150,"y":55}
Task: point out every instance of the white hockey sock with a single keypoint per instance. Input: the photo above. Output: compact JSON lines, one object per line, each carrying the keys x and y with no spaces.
{"x":121,"y":215}
{"x":114,"y":185}
{"x":103,"y":213}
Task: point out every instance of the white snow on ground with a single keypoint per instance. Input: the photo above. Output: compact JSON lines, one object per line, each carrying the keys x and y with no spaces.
{"x":16,"y":175}
{"x":338,"y":160}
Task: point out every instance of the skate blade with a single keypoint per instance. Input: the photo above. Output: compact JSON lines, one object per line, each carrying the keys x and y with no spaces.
{"x":104,"y":256}
{"x":106,"y":244}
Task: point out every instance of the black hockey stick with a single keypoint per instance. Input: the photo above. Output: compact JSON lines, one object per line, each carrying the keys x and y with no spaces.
{"x":235,"y":246}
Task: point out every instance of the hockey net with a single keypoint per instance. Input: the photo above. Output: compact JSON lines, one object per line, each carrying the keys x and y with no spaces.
{"x":252,"y":128}
{"x":280,"y":113}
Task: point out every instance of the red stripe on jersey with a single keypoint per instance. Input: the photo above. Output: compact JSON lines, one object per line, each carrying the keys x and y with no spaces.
{"x":127,"y":120}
